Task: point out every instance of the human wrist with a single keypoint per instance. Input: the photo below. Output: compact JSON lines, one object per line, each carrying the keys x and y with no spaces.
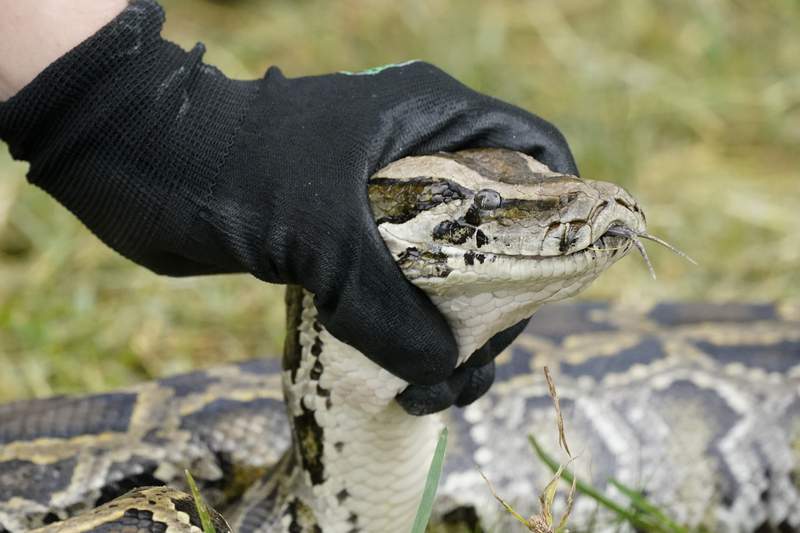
{"x":35,"y":34}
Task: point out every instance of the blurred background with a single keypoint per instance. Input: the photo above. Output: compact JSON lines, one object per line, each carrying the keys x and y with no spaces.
{"x":694,"y":106}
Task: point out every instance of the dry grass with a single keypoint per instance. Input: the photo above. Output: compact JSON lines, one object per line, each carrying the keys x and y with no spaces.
{"x":544,"y":521}
{"x":694,"y":106}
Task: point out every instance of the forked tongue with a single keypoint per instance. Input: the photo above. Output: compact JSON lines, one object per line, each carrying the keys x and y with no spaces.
{"x":628,"y":233}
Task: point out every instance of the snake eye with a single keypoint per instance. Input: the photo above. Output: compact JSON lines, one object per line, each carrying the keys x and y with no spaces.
{"x":488,"y":199}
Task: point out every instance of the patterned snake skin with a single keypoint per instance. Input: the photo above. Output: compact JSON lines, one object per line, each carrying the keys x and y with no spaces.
{"x":697,"y":405}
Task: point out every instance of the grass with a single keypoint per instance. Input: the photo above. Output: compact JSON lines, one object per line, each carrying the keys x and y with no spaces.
{"x":693,"y":106}
{"x":639,"y":513}
{"x":431,"y":483}
{"x":200,"y":504}
{"x":544,"y":521}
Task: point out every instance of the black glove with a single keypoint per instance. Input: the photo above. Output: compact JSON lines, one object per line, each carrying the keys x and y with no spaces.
{"x":188,"y":172}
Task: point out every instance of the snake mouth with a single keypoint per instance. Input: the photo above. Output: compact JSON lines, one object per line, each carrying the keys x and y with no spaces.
{"x":617,"y":240}
{"x":608,"y":242}
{"x":425,"y":260}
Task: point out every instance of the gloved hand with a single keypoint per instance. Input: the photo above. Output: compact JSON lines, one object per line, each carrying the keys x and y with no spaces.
{"x":466,"y":384}
{"x":188,"y":172}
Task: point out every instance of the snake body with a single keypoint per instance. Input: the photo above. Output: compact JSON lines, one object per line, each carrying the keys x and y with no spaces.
{"x":699,"y":407}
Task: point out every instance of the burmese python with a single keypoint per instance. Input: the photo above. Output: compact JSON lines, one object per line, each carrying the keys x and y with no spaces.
{"x":699,"y":406}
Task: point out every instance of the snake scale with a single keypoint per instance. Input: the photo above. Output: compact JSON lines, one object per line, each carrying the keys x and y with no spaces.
{"x":697,"y":405}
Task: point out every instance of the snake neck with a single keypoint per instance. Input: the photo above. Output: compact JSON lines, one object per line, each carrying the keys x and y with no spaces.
{"x":359,"y":461}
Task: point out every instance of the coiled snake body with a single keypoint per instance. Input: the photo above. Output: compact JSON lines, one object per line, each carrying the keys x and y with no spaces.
{"x":698,"y":406}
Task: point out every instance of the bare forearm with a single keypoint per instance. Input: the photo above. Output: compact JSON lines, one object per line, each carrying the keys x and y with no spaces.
{"x":35,"y":33}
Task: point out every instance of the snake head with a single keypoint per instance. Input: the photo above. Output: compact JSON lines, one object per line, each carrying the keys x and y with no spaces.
{"x":491,"y":235}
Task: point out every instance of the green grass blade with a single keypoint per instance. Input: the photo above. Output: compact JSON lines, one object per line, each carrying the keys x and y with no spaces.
{"x":643,"y":504}
{"x":202,"y":510}
{"x":434,"y":472}
{"x":643,"y":523}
